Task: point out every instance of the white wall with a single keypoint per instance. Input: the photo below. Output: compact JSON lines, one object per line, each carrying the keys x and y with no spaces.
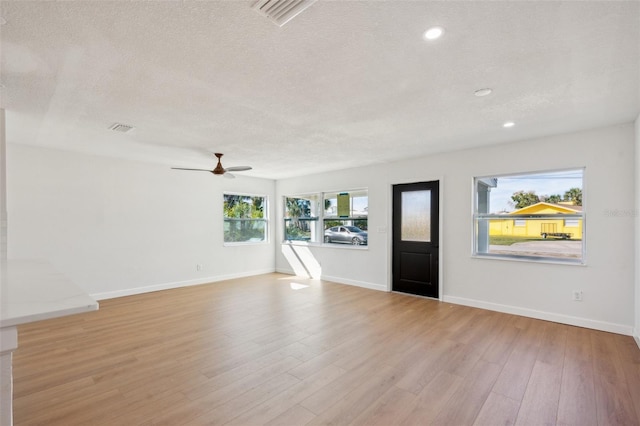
{"x":636,"y":333}
{"x":533,"y":289}
{"x":3,"y":188}
{"x":119,"y":227}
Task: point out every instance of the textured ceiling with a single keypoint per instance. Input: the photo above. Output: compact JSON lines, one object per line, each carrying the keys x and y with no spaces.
{"x":344,"y":84}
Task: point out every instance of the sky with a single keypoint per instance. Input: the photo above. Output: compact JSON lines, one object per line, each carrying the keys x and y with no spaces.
{"x":546,"y":183}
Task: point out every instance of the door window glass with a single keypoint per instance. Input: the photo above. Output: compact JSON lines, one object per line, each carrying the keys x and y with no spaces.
{"x":416,"y":216}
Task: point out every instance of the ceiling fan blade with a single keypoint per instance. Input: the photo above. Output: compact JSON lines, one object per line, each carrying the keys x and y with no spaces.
{"x":238,"y":169}
{"x":229,"y":175}
{"x":198,"y":170}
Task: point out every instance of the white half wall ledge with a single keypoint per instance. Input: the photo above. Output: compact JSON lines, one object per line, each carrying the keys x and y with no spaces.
{"x":177,"y":284}
{"x":627,"y":330}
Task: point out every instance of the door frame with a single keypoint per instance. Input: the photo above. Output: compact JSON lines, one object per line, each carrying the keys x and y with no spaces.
{"x":440,"y":180}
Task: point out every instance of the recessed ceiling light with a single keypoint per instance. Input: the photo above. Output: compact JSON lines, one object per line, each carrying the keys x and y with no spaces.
{"x":433,"y":33}
{"x":509,"y":124}
{"x":482,"y":92}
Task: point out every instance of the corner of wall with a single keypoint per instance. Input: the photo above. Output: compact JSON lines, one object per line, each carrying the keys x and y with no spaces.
{"x":636,"y":332}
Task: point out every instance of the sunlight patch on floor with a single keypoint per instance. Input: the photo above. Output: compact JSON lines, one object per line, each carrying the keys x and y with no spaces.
{"x":296,"y":286}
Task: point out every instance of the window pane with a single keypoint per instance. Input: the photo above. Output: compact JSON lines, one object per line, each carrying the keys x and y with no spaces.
{"x":244,"y":218}
{"x":358,"y":203}
{"x":245,"y":231}
{"x":346,"y":217}
{"x":416,"y":216}
{"x":300,"y":216}
{"x":346,"y":231}
{"x":535,"y":215}
{"x":538,"y":238}
{"x":243,"y":206}
{"x":509,"y":193}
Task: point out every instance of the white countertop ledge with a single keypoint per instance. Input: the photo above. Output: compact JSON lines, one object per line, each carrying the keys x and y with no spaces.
{"x":32,"y":290}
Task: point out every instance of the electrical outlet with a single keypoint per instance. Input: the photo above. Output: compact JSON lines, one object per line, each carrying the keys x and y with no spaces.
{"x":577,"y":295}
{"x":198,"y":267}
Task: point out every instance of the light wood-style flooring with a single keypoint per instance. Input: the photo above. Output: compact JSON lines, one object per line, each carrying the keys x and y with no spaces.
{"x":280,"y":350}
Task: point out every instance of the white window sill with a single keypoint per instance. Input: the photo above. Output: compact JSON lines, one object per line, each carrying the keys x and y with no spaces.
{"x":326,"y":245}
{"x":531,"y":259}
{"x":246,"y":243}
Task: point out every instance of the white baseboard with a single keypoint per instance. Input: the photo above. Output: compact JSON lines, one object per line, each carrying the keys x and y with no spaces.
{"x":547,"y":316}
{"x":177,"y":284}
{"x":339,"y":280}
{"x":286,"y":271}
{"x":363,"y":284}
{"x":636,"y":336}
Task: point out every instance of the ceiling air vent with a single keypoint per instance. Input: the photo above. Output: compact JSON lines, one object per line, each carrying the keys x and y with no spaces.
{"x":122,"y":128}
{"x":281,"y":11}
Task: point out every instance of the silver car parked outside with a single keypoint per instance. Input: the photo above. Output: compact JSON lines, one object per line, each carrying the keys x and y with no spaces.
{"x":346,"y":235}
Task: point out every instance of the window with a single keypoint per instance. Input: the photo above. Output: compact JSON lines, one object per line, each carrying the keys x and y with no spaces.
{"x":533,"y":216}
{"x":346,"y":217}
{"x":343,"y":215}
{"x":300,"y":218}
{"x":245,"y":219}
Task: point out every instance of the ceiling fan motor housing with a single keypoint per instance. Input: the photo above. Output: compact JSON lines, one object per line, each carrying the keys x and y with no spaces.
{"x":219,"y":170}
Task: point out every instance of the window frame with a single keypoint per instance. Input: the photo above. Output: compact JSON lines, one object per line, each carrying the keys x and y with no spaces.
{"x":264,"y":219}
{"x":314,"y":220}
{"x":321,"y":218}
{"x":477,"y":217}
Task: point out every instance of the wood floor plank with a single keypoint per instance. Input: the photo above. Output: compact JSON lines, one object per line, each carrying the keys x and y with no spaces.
{"x":577,"y":404}
{"x":289,"y":399}
{"x":630,"y":360}
{"x":358,"y":399}
{"x":229,"y":410}
{"x":337,"y":390}
{"x":516,"y":372}
{"x":540,"y":403}
{"x":502,"y":346}
{"x":296,"y":415}
{"x":390,"y":409}
{"x":434,"y":358}
{"x":613,"y":400}
{"x":253,"y":351}
{"x":497,"y":410}
{"x":474,"y":391}
{"x":433,"y":398}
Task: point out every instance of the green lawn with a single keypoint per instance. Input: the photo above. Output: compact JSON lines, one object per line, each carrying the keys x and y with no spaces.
{"x":506,"y":240}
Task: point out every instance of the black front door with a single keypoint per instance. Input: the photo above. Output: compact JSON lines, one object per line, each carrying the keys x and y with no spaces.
{"x":416,"y":238}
